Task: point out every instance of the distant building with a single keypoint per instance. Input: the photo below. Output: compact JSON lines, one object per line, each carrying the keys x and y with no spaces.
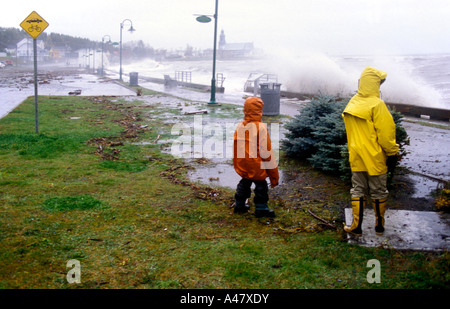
{"x":25,"y":50}
{"x":59,"y":51}
{"x":234,"y":50}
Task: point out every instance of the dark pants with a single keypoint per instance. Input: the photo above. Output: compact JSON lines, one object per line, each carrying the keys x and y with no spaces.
{"x":243,"y":191}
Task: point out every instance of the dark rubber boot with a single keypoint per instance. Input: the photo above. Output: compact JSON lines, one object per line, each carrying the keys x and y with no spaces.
{"x":380,"y":207}
{"x":241,"y":207}
{"x":261,"y":210}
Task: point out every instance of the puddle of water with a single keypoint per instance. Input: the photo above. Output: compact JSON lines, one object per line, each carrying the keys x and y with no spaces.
{"x":218,"y":175}
{"x":221,"y":174}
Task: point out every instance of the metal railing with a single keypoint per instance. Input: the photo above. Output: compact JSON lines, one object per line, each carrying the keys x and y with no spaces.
{"x":183,"y":76}
{"x":254,"y":79}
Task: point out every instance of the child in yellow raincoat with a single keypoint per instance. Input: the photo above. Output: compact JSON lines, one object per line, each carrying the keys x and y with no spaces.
{"x":371,"y":144}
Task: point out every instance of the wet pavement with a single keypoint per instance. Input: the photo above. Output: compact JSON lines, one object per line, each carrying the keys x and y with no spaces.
{"x":17,"y":85}
{"x":429,"y":149}
{"x":405,"y":230}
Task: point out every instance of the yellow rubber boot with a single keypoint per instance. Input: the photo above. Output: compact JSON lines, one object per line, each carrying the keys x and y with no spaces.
{"x":358,"y":211}
{"x":380,"y":207}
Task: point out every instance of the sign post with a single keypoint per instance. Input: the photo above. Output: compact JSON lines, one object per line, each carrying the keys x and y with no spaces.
{"x":34,"y":25}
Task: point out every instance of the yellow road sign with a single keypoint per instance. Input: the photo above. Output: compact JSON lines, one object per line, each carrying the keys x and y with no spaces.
{"x":34,"y":24}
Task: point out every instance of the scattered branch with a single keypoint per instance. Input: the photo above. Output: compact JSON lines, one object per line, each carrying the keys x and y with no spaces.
{"x":323,"y":220}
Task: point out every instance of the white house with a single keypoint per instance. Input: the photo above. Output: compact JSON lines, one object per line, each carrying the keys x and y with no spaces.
{"x":25,"y":50}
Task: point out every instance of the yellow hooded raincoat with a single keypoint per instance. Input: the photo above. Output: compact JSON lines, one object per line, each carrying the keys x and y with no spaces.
{"x":370,"y":126}
{"x":253,"y":156}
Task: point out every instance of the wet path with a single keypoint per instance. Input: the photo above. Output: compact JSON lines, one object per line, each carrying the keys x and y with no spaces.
{"x":18,"y":84}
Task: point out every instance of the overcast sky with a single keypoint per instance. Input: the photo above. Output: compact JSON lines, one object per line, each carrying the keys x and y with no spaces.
{"x":329,"y":26}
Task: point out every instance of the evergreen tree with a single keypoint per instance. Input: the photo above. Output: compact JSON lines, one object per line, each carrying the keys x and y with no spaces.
{"x":316,"y":133}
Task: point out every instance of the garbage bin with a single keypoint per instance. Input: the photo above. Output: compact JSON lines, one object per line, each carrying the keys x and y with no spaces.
{"x":133,"y":78}
{"x":270,"y":94}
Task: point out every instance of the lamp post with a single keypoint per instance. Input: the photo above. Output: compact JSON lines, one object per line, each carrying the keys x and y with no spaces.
{"x":131,"y":30}
{"x":94,"y":51}
{"x":103,"y":42}
{"x":206,"y":19}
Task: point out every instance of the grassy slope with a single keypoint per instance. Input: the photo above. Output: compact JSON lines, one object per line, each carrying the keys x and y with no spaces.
{"x":132,"y":226}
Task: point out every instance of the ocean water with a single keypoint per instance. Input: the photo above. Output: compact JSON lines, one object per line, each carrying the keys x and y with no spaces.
{"x":422,"y":80}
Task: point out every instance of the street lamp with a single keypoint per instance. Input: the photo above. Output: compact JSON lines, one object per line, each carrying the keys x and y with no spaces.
{"x":131,"y":30}
{"x":206,"y":19}
{"x":94,"y":51}
{"x":103,"y":42}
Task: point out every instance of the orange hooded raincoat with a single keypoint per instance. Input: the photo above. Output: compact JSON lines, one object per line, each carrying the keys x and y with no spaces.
{"x":253,"y":156}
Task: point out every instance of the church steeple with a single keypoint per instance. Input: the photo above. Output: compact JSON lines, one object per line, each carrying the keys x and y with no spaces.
{"x":222,"y":41}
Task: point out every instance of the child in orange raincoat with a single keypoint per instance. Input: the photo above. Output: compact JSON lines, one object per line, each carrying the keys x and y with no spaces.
{"x":254,"y":160}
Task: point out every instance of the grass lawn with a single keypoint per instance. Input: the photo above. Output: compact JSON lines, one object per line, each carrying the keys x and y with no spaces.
{"x":84,"y":188}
